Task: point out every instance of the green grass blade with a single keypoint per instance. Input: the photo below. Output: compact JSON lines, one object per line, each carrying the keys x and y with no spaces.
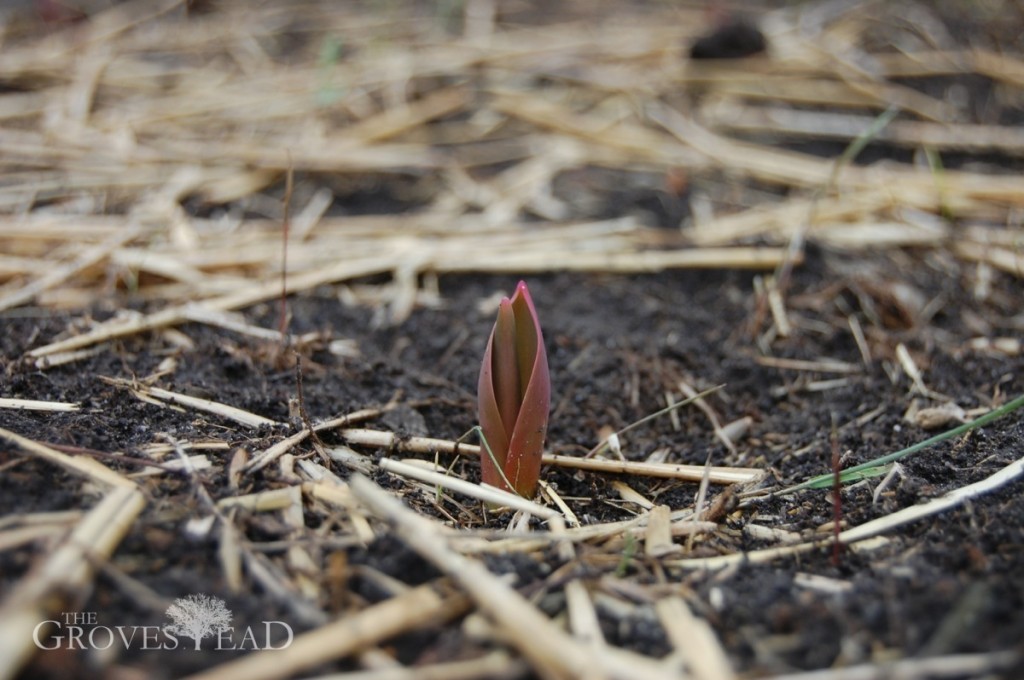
{"x":879,"y":466}
{"x":845,"y":477}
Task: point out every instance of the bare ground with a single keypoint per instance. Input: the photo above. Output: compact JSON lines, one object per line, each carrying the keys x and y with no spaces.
{"x":680,"y":226}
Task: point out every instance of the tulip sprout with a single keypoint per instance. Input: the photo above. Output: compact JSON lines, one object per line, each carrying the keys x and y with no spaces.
{"x":514,"y":396}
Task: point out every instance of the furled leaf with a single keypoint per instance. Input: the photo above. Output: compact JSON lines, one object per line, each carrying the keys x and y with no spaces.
{"x":514,"y":396}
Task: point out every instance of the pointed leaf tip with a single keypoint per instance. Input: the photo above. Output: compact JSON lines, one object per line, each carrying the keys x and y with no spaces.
{"x":515,"y":395}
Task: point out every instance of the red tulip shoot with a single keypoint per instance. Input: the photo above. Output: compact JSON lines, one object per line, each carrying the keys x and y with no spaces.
{"x":514,"y":397}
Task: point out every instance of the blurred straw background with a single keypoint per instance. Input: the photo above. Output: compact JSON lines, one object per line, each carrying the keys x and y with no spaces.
{"x":146,"y":145}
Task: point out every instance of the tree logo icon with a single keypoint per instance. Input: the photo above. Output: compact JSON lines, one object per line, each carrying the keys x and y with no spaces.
{"x":198,"y":616}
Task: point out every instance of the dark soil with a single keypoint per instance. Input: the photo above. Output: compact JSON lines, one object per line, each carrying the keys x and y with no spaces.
{"x":951,"y":583}
{"x":615,"y":345}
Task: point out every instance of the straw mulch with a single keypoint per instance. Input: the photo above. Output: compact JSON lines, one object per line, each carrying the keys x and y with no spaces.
{"x":185,"y":157}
